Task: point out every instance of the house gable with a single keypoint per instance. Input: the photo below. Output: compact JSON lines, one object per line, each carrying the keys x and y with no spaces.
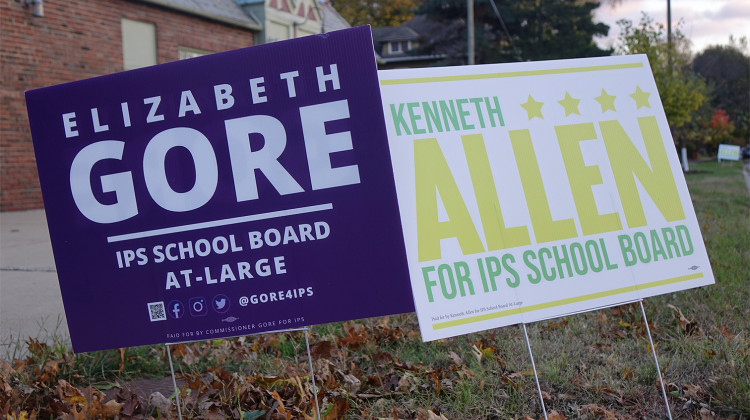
{"x":285,"y":19}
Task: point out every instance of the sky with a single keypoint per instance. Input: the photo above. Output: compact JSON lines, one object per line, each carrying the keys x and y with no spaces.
{"x":705,"y":22}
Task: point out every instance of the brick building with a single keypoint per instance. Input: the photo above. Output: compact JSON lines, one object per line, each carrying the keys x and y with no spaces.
{"x":48,"y":42}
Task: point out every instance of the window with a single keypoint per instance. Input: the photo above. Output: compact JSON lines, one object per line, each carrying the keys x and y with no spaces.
{"x":138,"y":44}
{"x":276,"y":31}
{"x":399,"y":47}
{"x":184,"y":53}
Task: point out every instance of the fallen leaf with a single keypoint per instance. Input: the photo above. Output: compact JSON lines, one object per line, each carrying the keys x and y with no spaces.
{"x":725,"y":332}
{"x":158,"y":400}
{"x":688,"y":326}
{"x":122,"y":360}
{"x":404,"y":384}
{"x":214,"y":414}
{"x":433,"y":416}
{"x":436,"y":380}
{"x":130,"y":402}
{"x":692,"y":391}
{"x":323,"y":350}
{"x":74,"y":415}
{"x":554,"y":415}
{"x":554,"y":325}
{"x":599,"y":411}
{"x":354,"y":339}
{"x":477,"y":353}
{"x":352,"y":383}
{"x":68,"y":393}
{"x":111,"y":409}
{"x":456,"y":358}
{"x":275,"y":395}
{"x":706,"y":414}
{"x":339,"y":407}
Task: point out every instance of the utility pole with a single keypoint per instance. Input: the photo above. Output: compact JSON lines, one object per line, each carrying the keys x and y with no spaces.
{"x":470,"y":29}
{"x":670,"y":48}
{"x":669,"y":35}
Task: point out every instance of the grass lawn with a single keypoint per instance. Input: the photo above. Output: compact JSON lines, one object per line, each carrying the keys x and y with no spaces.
{"x":596,"y":365}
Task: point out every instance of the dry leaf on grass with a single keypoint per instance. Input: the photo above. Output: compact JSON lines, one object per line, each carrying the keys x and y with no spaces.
{"x":456,"y":358}
{"x":338,"y":408}
{"x":706,"y":414}
{"x":433,"y":416}
{"x":554,"y":415}
{"x":158,"y":400}
{"x":111,"y":409}
{"x":68,"y":393}
{"x":323,"y":350}
{"x":599,"y":411}
{"x":688,"y":326}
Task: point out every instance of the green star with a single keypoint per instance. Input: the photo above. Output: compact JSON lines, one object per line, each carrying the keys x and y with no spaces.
{"x":533,"y":108}
{"x":607,"y":101}
{"x":640,"y":97}
{"x":570,"y":104}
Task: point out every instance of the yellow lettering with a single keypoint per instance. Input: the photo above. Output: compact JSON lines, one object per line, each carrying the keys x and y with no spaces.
{"x":582,"y":177}
{"x":545,"y":229}
{"x":432,"y":177}
{"x":497,"y":235}
{"x":628,"y":164}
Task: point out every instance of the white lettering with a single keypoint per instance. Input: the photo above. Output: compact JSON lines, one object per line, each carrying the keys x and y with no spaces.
{"x":121,"y":184}
{"x":289,"y":77}
{"x":98,"y":128}
{"x":245,"y":161}
{"x":204,"y":160}
{"x":188,"y":104}
{"x":69,"y":124}
{"x":224,"y":98}
{"x":319,"y":145}
{"x":154,"y":101}
{"x":256,"y":88}
{"x":332,"y":77}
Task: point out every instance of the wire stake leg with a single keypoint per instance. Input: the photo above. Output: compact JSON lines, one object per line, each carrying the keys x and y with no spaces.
{"x":533,"y":367}
{"x":174,"y":382}
{"x":656,"y":361}
{"x":312,"y":374}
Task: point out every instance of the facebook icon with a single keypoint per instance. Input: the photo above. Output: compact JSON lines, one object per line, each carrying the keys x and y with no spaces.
{"x":175,"y":309}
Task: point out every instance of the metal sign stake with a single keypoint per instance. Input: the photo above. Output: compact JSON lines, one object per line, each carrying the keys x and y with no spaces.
{"x":656,"y":361}
{"x":533,"y":367}
{"x":312,"y":374}
{"x":174,"y":382}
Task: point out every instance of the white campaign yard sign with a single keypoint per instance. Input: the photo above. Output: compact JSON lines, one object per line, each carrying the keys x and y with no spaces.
{"x":529,"y":191}
{"x":728,"y":152}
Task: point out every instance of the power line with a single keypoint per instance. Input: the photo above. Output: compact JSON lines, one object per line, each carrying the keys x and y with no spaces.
{"x":505,"y":29}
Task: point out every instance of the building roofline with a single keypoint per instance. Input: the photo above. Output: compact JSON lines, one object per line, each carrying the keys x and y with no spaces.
{"x":200,"y":13}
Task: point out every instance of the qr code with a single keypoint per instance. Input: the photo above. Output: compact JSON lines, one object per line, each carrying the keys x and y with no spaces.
{"x":156,"y":311}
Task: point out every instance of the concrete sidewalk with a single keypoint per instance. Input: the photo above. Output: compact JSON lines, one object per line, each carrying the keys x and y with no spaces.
{"x":30,"y":300}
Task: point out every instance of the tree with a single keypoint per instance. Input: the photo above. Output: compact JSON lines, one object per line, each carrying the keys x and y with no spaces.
{"x":726,"y":68}
{"x":376,"y":12}
{"x":681,"y":91}
{"x":516,"y":30}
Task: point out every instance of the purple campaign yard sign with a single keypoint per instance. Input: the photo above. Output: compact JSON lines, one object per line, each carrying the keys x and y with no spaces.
{"x":225,"y":195}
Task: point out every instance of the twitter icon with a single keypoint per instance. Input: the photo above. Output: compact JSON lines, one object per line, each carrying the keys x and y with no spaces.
{"x":220,"y":303}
